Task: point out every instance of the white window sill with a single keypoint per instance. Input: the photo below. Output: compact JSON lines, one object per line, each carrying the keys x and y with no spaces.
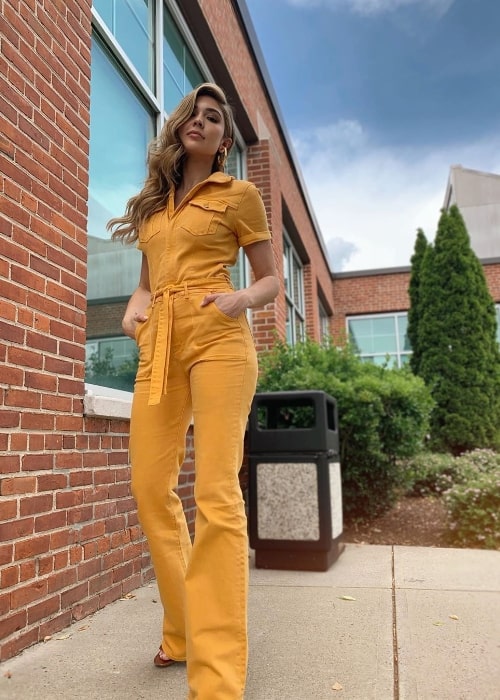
{"x":102,"y":402}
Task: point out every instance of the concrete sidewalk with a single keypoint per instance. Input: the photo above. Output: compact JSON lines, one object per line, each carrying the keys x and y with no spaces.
{"x":424,"y":623}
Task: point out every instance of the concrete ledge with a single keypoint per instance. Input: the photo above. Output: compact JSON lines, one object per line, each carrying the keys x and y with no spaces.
{"x":102,"y":402}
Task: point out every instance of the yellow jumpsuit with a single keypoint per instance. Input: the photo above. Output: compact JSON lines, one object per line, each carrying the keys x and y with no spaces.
{"x":197,"y":362}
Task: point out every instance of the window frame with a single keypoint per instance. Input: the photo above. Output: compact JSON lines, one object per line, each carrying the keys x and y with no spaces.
{"x":399,"y":353}
{"x":154,"y":99}
{"x":324,"y":322}
{"x":292,"y":261}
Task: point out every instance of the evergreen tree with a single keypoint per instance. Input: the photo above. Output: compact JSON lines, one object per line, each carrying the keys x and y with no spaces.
{"x":420,"y":250}
{"x":459,"y":355}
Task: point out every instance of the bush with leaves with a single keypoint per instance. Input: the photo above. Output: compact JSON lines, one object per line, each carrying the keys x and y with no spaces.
{"x":428,"y":474}
{"x":473,"y":502}
{"x":383,"y":416}
{"x":470,"y":487}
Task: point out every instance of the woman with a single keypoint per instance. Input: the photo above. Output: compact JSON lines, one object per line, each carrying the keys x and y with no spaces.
{"x":197,"y":361}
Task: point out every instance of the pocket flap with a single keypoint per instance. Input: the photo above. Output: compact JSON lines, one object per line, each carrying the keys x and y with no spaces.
{"x":209,"y":205}
{"x":150,"y":228}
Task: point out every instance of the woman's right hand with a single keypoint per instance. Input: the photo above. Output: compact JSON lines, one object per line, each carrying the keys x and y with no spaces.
{"x":138,"y":303}
{"x":130,"y":322}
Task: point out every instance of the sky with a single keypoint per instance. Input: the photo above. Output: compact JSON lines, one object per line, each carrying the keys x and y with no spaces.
{"x":379,"y":99}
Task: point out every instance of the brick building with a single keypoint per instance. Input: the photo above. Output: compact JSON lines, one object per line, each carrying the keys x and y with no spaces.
{"x":83,"y":91}
{"x":84,"y":88}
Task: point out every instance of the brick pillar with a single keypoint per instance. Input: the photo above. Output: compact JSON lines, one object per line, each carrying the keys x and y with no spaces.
{"x":264,"y":173}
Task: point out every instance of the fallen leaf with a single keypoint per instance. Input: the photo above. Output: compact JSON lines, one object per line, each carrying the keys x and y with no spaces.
{"x":453,"y":617}
{"x":47,"y":638}
{"x":346,"y":597}
{"x":64,"y":636}
{"x":85,"y":627}
{"x":438,"y":623}
{"x":127,"y":596}
{"x":337,"y":686}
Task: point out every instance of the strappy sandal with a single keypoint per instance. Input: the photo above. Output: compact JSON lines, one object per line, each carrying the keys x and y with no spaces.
{"x":161,"y":660}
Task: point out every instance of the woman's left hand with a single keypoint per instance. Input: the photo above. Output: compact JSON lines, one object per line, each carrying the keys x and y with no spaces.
{"x":231,"y":304}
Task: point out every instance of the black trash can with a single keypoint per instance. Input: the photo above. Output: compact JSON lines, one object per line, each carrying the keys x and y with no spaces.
{"x":295,"y":491}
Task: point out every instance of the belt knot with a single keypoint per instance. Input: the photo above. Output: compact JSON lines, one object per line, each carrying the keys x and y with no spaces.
{"x":161,"y":354}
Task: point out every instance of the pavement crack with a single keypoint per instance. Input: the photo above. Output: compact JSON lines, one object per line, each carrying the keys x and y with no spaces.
{"x":394,"y":630}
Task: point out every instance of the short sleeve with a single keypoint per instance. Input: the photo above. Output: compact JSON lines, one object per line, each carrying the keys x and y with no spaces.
{"x":251,"y":219}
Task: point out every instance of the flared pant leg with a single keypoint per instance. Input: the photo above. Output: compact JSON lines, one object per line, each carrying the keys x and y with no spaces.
{"x":217,"y":576}
{"x":212,"y":374}
{"x":157,"y":449}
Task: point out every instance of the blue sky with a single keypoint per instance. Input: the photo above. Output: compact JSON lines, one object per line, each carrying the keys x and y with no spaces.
{"x":380,"y":98}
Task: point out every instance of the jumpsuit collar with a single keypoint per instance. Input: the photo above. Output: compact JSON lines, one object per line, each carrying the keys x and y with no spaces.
{"x":216,"y":178}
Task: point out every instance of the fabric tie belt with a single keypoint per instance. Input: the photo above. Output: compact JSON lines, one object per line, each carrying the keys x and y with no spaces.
{"x":161,"y":354}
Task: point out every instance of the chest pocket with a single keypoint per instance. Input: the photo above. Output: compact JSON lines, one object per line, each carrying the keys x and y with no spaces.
{"x":203,"y":217}
{"x":149,"y":229}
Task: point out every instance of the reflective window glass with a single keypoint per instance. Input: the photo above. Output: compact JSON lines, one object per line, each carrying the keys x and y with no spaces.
{"x":286,"y":270}
{"x":289,"y":324}
{"x":120,"y":129}
{"x":380,"y":339}
{"x":111,"y":362}
{"x":324,"y":323}
{"x":294,"y":292}
{"x":234,"y":163}
{"x":373,"y":335}
{"x":234,"y":166}
{"x":131,"y":23}
{"x":404,"y":341}
{"x":180,"y":72}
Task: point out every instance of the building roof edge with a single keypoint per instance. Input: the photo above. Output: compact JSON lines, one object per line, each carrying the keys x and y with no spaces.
{"x":242,"y":9}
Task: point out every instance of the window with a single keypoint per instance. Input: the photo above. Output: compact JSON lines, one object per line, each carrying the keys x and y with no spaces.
{"x":180,"y":72}
{"x":112,"y":362}
{"x":131,"y":23}
{"x":117,"y":155}
{"x":324,"y":323}
{"x":294,"y":292}
{"x":240,"y":273}
{"x":380,"y":339}
{"x":128,"y":104}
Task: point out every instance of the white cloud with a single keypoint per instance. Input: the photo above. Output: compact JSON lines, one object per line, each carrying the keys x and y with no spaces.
{"x":374,"y":7}
{"x":369,"y":200}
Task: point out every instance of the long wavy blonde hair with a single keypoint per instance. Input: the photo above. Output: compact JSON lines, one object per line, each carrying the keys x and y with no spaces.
{"x":165,"y":161}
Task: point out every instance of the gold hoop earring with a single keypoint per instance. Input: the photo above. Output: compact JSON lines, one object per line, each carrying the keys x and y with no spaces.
{"x":222,"y":157}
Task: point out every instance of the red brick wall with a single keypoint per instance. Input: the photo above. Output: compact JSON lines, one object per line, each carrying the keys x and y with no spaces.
{"x":69,"y":537}
{"x":105,"y":319}
{"x":492,"y":273}
{"x":375,"y":293}
{"x":368,"y":293}
{"x":277,"y":179}
{"x":260,"y":170}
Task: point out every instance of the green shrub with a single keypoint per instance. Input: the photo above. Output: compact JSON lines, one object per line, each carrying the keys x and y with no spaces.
{"x":383,"y":416}
{"x":470,"y":487}
{"x":473,"y":510}
{"x":473,"y":501}
{"x":428,"y":473}
{"x":481,"y":461}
